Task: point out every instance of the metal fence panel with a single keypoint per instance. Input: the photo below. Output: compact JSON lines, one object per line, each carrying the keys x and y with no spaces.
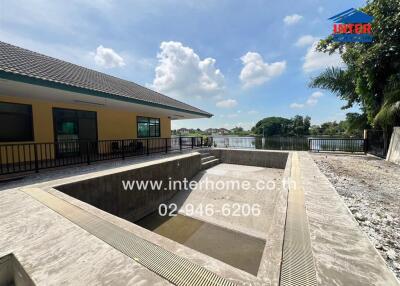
{"x":20,"y":158}
{"x":337,"y":145}
{"x":377,"y":142}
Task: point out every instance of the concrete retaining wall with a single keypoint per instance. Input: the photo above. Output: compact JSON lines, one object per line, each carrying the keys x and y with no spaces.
{"x":259,"y":158}
{"x":393,"y":154}
{"x":107,"y":192}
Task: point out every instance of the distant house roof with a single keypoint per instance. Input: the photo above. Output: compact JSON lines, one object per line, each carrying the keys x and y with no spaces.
{"x":27,"y":66}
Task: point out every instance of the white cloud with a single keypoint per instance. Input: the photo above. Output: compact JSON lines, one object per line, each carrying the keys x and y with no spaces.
{"x":181,"y":73}
{"x":108,"y":58}
{"x":227,"y":103}
{"x":296,"y":105}
{"x":292,"y":19}
{"x":315,"y":60}
{"x":305,"y":40}
{"x":312,"y":100}
{"x":256,"y":71}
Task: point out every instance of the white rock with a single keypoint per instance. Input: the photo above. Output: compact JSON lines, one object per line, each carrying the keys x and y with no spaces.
{"x":391,"y":254}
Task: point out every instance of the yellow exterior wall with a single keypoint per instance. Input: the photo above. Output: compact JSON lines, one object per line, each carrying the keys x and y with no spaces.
{"x":112,"y":124}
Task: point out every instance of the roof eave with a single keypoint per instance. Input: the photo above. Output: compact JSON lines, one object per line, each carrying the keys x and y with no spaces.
{"x":65,"y":87}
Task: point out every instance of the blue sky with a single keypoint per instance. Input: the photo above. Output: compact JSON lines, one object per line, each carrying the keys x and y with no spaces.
{"x":240,"y":60}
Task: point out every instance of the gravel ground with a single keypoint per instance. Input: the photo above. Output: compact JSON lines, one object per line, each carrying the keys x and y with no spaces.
{"x":370,"y":188}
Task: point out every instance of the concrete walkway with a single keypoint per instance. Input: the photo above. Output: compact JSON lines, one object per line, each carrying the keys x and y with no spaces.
{"x":53,"y":250}
{"x":343,"y":255}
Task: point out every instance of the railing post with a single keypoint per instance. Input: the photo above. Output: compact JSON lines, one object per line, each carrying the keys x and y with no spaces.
{"x":88,"y":152}
{"x":123,"y":149}
{"x":192,"y":142}
{"x":166,"y":145}
{"x":201,"y":142}
{"x":366,"y":141}
{"x":365,"y":146}
{"x":36,"y":158}
{"x":147,"y":147}
{"x":180,"y":143}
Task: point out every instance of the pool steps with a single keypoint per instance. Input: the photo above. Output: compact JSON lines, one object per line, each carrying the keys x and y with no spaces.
{"x":208,"y":161}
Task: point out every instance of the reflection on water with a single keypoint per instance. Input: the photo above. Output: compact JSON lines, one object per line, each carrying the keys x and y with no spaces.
{"x":237,"y":249}
{"x":234,"y":142}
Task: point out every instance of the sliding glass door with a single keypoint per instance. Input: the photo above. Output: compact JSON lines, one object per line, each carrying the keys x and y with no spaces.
{"x":72,"y":129}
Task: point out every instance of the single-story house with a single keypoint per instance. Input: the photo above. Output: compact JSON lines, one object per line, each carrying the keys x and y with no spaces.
{"x":44,"y":99}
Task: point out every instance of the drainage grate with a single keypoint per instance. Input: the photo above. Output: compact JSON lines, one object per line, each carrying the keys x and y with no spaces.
{"x":175,"y":269}
{"x":298,"y":264}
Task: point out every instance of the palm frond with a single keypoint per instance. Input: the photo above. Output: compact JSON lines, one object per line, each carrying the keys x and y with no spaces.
{"x":338,"y":81}
{"x":389,"y":114}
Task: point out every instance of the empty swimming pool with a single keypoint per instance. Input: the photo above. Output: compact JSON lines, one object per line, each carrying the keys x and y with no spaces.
{"x":232,"y":242}
{"x":234,"y":248}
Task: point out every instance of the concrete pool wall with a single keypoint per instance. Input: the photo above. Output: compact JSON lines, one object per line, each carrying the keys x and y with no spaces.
{"x":259,"y":158}
{"x":106,"y":192}
{"x":134,"y":205}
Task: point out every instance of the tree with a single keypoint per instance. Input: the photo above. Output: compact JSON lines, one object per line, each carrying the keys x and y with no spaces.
{"x":239,"y":131}
{"x":353,"y":125}
{"x":300,"y":126}
{"x":270,"y":126}
{"x":389,"y":114}
{"x":372,"y":69}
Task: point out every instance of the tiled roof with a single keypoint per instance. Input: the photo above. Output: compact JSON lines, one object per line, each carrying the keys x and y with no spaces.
{"x":22,"y":62}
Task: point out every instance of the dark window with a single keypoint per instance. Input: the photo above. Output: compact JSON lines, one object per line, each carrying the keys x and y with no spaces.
{"x":16,"y":122}
{"x":148,"y":127}
{"x":70,"y":124}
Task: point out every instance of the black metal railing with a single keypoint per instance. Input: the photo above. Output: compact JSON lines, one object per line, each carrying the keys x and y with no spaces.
{"x":268,"y":143}
{"x":354,"y":145}
{"x":32,"y":157}
{"x":286,"y":143}
{"x":292,"y":143}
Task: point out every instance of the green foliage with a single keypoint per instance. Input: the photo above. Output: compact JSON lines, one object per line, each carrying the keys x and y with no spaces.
{"x":339,"y":82}
{"x":239,"y":131}
{"x":370,"y":67}
{"x":328,"y":128}
{"x":356,"y":123}
{"x":389,"y":114}
{"x":270,"y":126}
{"x":353,"y":125}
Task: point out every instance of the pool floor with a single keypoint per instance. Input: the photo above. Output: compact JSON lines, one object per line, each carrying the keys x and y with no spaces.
{"x":234,"y":248}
